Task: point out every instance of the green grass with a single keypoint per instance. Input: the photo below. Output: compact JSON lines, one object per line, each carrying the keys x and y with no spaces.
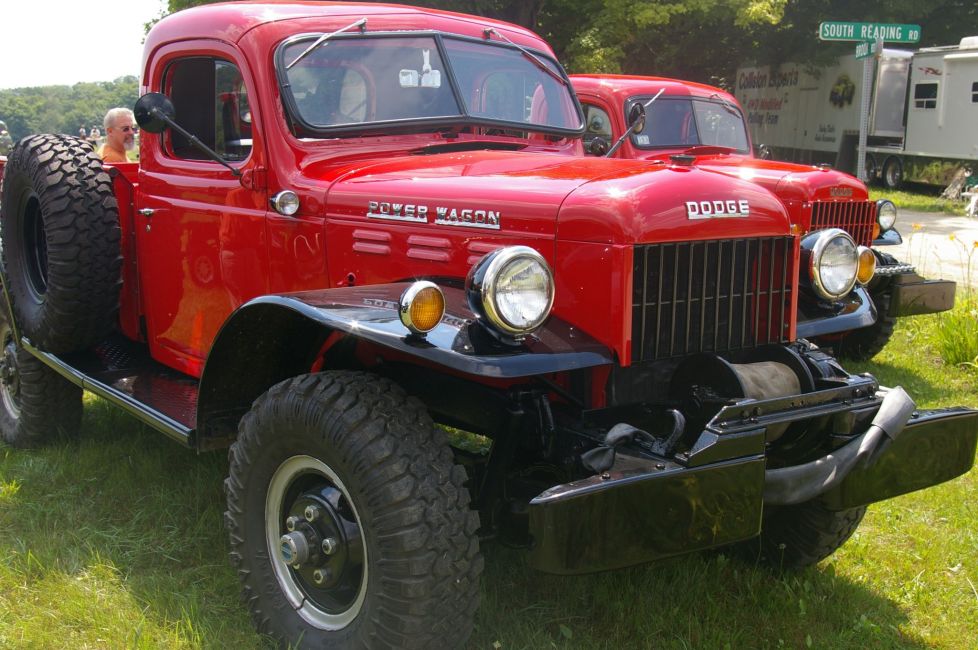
{"x":116,"y":541}
{"x":922,"y":198}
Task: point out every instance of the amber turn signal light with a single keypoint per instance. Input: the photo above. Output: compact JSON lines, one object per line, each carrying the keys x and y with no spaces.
{"x":421,"y":307}
{"x":867,"y":265}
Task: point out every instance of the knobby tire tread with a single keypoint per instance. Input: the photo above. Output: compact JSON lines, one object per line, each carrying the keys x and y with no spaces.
{"x":429,"y":567}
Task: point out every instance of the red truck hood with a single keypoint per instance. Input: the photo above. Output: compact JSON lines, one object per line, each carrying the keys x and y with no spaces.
{"x":789,"y":181}
{"x":547,"y":195}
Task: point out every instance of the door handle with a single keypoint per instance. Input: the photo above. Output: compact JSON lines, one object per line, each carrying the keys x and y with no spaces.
{"x":147,"y":212}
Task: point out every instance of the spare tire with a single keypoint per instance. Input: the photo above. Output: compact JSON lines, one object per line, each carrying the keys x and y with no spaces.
{"x":60,"y":233}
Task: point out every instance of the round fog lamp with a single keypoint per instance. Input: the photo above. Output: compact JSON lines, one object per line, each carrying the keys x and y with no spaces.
{"x":867,"y":265}
{"x":421,"y":307}
{"x":886,"y":214}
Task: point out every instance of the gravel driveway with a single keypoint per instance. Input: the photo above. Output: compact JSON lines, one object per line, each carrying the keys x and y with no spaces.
{"x":940,"y":246}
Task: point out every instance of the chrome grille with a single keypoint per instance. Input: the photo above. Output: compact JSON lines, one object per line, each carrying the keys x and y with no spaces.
{"x":855,"y":217}
{"x":710,"y":296}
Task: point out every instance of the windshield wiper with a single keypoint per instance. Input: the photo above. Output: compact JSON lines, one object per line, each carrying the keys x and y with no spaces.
{"x":362,"y":24}
{"x":488,"y":31}
{"x":726,"y":104}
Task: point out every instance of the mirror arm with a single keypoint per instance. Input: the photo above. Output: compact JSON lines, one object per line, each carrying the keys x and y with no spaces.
{"x":163,"y":117}
{"x":620,"y":141}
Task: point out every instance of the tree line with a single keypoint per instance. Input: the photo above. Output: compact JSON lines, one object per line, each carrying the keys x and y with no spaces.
{"x":63,"y":109}
{"x":698,"y":40}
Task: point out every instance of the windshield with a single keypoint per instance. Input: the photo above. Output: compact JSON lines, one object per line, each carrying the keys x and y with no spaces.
{"x":383,"y":83}
{"x":686,"y":122}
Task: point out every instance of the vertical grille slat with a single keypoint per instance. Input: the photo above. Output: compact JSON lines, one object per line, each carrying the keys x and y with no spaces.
{"x":855,"y":217}
{"x":722,"y":302}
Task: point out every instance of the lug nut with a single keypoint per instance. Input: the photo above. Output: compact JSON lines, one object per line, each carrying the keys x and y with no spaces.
{"x":330,"y":545}
{"x":319,"y":576}
{"x":311,"y":513}
{"x":291,"y":523}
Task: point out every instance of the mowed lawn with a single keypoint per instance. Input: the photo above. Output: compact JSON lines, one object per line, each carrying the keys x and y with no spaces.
{"x":116,"y":541}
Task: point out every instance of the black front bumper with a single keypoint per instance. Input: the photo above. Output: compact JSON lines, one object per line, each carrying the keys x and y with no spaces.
{"x":912,"y":295}
{"x":646,"y":509}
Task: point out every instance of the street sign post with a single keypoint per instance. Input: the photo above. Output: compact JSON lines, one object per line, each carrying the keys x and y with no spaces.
{"x":872,"y":37}
{"x":837,"y":30}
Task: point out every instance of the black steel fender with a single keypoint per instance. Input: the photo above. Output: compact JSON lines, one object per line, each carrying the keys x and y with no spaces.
{"x":857,"y":310}
{"x":272,"y":338}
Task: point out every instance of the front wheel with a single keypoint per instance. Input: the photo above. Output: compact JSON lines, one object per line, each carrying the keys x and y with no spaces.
{"x":348,"y":519}
{"x":793,"y":537}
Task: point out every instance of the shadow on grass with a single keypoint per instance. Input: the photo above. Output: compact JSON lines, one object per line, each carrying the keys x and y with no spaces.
{"x":698,"y":601}
{"x":124,"y":495}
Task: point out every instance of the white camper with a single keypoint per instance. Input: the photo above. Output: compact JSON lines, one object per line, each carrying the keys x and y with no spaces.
{"x":923,"y":112}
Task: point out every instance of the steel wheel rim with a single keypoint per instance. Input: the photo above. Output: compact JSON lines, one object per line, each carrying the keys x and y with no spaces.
{"x":35,"y":248}
{"x":9,"y":373}
{"x":295,"y":589}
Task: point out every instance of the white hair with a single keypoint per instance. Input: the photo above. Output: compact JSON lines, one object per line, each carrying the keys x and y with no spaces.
{"x":114,"y":114}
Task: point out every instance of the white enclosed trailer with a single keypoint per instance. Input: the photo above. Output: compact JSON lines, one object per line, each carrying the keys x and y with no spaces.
{"x":923,"y":121}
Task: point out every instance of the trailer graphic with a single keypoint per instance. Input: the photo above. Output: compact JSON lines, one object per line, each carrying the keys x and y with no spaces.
{"x":922,"y":119}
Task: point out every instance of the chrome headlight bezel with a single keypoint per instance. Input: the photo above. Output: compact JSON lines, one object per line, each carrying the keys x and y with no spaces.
{"x":814,"y":247}
{"x":888,"y":222}
{"x":482,"y":290}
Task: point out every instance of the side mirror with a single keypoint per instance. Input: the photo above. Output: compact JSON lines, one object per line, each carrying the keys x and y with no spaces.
{"x":636,"y":117}
{"x":763,"y":152}
{"x":598,"y":146}
{"x":154,"y":112}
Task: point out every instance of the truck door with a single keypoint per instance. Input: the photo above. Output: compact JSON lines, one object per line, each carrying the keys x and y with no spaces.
{"x":201,"y":229}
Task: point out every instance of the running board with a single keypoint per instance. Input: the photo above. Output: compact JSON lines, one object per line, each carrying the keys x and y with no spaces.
{"x":122,"y":372}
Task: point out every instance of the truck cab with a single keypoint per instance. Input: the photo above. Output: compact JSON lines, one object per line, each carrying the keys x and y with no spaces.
{"x":704,"y":122}
{"x":359,"y":233}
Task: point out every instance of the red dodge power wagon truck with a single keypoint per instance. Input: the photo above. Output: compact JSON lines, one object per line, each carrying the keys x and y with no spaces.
{"x":355,"y":231}
{"x":707,"y":124}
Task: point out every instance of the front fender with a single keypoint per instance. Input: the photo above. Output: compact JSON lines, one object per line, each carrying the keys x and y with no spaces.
{"x":856,"y":311}
{"x":272,"y":338}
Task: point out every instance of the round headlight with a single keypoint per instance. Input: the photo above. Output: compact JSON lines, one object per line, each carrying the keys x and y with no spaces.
{"x":886,"y":214}
{"x":513,"y":289}
{"x":285,"y":202}
{"x":832,"y":263}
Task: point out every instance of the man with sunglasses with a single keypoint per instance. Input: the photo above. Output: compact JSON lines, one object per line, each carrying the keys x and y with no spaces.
{"x":120,"y":135}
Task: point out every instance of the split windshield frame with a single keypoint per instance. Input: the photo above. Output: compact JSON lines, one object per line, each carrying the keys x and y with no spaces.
{"x":725,"y":104}
{"x":417,"y":124}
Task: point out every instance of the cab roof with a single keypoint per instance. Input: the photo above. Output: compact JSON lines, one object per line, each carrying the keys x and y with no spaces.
{"x":231,"y":21}
{"x":625,"y":86}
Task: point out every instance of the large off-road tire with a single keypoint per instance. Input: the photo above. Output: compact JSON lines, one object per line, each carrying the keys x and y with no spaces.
{"x":865,"y":343}
{"x":61,"y":235}
{"x":37,"y":404}
{"x":793,"y":537}
{"x":348,"y":457}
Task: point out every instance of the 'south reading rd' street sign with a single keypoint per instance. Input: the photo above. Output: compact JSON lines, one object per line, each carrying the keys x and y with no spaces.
{"x":836,"y":30}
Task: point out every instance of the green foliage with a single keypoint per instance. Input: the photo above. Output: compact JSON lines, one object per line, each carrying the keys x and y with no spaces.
{"x":62,"y":109}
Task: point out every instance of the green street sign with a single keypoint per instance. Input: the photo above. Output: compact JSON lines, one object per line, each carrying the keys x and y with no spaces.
{"x":866,"y":49}
{"x":890,"y":32}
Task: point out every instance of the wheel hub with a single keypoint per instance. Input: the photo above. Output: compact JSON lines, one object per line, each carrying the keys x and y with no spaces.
{"x":10,"y":377}
{"x":324,"y":550}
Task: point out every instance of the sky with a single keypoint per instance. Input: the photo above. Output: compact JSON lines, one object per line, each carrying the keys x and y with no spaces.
{"x":48,"y":42}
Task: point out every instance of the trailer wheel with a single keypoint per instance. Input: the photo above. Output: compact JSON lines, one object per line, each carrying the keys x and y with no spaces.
{"x":37,"y":404}
{"x":61,"y":234}
{"x":349,"y":522}
{"x":871,"y":170}
{"x":893,"y":173}
{"x":794,"y":537}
